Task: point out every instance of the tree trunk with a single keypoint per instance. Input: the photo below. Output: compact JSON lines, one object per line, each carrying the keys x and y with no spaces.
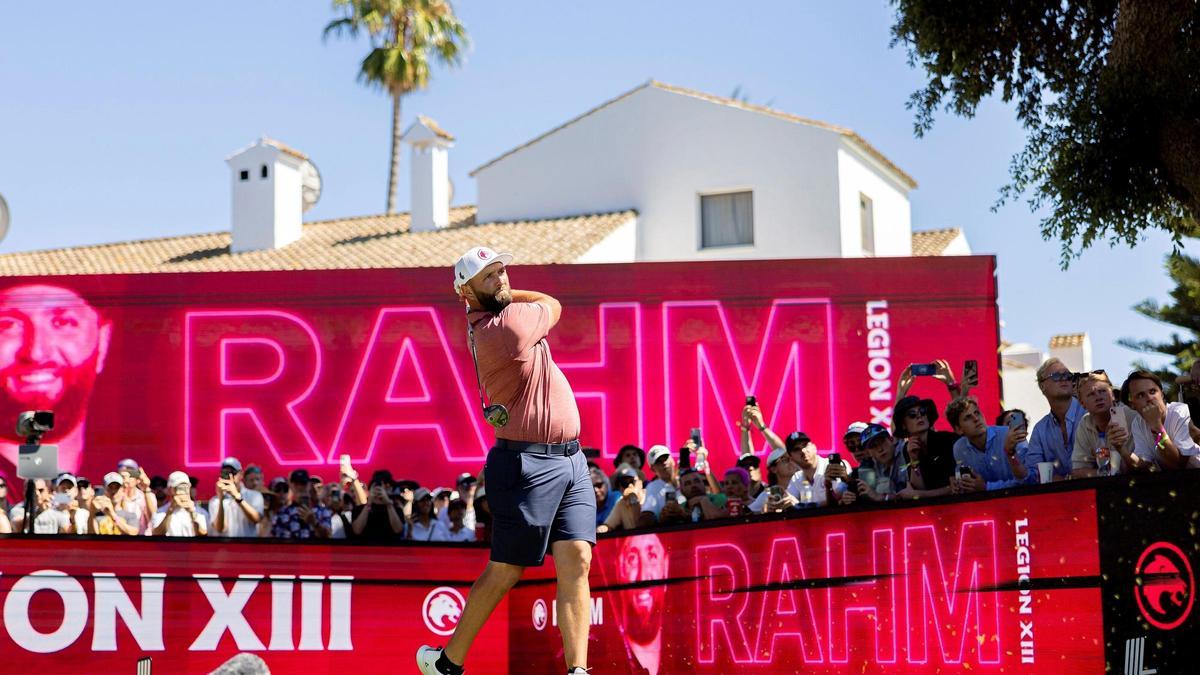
{"x":394,"y":172}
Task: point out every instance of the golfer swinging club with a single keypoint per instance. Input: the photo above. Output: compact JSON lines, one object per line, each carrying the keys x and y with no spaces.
{"x":538,"y":484}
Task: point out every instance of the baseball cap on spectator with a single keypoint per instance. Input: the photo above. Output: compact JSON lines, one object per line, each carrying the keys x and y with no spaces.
{"x":401,"y":485}
{"x":279,"y":484}
{"x":776,"y":455}
{"x":466,"y":478}
{"x":908,"y":403}
{"x":439,"y":492}
{"x":178,"y":478}
{"x":382,"y":477}
{"x":254,"y":468}
{"x":796,"y":439}
{"x":749,"y":460}
{"x":113,"y":477}
{"x":855,"y":429}
{"x":657,"y":452}
{"x":871,"y":433}
{"x":233,"y":463}
{"x":624,"y":476}
{"x":127,"y":464}
{"x":64,"y":478}
{"x":688,"y":471}
{"x":299,"y":476}
{"x":474,"y":261}
{"x":421,"y":493}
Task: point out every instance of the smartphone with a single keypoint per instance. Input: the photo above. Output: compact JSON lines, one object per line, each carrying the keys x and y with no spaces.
{"x":922,"y":369}
{"x":696,"y":437}
{"x":304,"y":500}
{"x":685,"y":458}
{"x":1117,"y":417}
{"x":971,"y":371}
{"x":776,"y":492}
{"x":344,"y":461}
{"x":61,"y":499}
{"x":1016,"y":421}
{"x":751,"y":400}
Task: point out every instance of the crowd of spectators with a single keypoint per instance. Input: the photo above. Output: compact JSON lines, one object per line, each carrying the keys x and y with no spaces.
{"x":1093,"y":429}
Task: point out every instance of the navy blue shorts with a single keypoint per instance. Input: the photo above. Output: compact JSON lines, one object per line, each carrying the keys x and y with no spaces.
{"x":537,"y":499}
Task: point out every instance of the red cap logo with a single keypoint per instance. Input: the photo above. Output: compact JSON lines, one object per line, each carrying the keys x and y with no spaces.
{"x":483,"y":254}
{"x":1164,"y":585}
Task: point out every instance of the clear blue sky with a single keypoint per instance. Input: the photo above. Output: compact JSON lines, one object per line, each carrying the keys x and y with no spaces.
{"x":114,"y":122}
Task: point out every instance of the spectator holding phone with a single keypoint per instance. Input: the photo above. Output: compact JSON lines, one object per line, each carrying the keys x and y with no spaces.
{"x":663,"y":491}
{"x":301,"y":517}
{"x":136,"y":500}
{"x":626,"y":515}
{"x":424,"y":525}
{"x":1107,"y":427}
{"x":884,"y":476}
{"x":941,"y":371}
{"x":812,"y":467}
{"x":1053,"y":437}
{"x":1168,"y":443}
{"x":51,"y":510}
{"x":994,"y":455}
{"x":780,"y":469}
{"x":378,"y":519}
{"x":66,"y":498}
{"x":102,"y":511}
{"x":702,"y":502}
{"x":179,"y":517}
{"x":236,"y":508}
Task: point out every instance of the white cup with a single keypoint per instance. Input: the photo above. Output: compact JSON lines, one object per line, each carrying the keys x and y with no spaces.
{"x":1115,"y":461}
{"x":1046,"y":471}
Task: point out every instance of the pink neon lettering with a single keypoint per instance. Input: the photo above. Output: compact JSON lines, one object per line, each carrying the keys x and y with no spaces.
{"x":707,"y":377}
{"x":721,"y":624}
{"x":951,"y":607}
{"x":870,"y":605}
{"x":213,"y":398}
{"x":787,"y":613}
{"x":408,"y":394}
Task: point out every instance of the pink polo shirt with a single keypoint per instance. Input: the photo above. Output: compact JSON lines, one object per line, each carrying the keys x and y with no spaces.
{"x":518,"y":372}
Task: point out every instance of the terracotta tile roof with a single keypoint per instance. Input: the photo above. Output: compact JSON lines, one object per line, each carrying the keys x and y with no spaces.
{"x":721,"y":100}
{"x":1067,"y":340}
{"x":284,"y":148}
{"x":933,"y":242}
{"x":435,"y":127}
{"x":347,"y":243}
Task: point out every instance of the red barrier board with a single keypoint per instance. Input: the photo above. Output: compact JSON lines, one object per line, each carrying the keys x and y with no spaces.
{"x":98,"y":605}
{"x":1004,"y":585}
{"x":289,"y":369}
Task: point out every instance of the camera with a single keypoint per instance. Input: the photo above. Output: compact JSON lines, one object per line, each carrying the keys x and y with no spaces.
{"x":33,"y":423}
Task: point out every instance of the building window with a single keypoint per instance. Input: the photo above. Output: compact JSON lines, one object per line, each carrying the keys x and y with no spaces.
{"x":263,"y":172}
{"x":244,"y":175}
{"x":727,"y":219}
{"x":866,"y":223}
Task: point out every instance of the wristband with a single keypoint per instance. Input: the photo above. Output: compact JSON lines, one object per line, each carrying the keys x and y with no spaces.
{"x":239,"y":499}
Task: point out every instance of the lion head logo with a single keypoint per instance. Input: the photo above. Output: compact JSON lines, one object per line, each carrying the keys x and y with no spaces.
{"x":1164,"y":585}
{"x":442,"y":609}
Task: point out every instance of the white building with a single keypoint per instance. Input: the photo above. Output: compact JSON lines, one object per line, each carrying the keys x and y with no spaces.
{"x":1019,"y":364}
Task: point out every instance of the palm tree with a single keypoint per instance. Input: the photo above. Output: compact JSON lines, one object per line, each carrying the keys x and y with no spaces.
{"x":404,"y":36}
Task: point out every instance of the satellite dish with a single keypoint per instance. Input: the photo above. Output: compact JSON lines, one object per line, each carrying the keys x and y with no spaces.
{"x":4,"y":218}
{"x":310,"y":185}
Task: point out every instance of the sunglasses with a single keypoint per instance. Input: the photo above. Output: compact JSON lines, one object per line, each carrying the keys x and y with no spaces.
{"x":915,"y":413}
{"x":597,"y":486}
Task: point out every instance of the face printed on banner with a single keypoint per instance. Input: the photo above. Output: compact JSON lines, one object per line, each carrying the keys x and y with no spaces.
{"x":642,"y":558}
{"x":52,"y":346}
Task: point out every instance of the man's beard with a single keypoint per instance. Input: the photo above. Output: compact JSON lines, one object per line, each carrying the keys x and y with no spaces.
{"x":69,"y":406}
{"x":496,"y":303}
{"x":643,"y":625}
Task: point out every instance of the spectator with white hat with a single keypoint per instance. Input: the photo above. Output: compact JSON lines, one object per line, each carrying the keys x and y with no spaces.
{"x":236,"y":509}
{"x":136,"y":497}
{"x":49,"y":519}
{"x":780,"y":469}
{"x":102,"y":513}
{"x":179,"y":517}
{"x":67,"y":484}
{"x":660,"y":490}
{"x":423,"y":525}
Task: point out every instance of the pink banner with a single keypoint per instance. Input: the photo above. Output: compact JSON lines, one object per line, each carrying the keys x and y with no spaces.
{"x":293,"y":369}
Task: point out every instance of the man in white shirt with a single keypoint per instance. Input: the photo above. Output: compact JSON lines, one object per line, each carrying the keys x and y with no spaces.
{"x":65,"y":484}
{"x":458,"y":529}
{"x":660,"y":490}
{"x":812,"y":466}
{"x":49,"y":520}
{"x":1166,"y":436}
{"x":780,"y":471}
{"x":179,"y":517}
{"x":235,"y":509}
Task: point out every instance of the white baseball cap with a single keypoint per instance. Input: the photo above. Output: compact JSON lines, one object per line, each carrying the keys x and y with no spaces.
{"x":113,"y":477}
{"x":176,"y":479}
{"x":657,"y":452}
{"x":472,"y":263}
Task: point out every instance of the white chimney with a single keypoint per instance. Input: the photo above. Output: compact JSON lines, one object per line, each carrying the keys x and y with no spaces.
{"x":1074,"y":350}
{"x":268,"y":181}
{"x":429,"y":164}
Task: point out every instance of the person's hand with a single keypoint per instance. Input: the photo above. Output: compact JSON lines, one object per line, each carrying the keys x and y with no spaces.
{"x":470,"y":496}
{"x":1154,"y":416}
{"x":695,"y":501}
{"x":101,"y":504}
{"x":848,"y":497}
{"x":942,"y":372}
{"x":1013,"y":439}
{"x":305,"y":513}
{"x":836,"y":471}
{"x":785,"y":502}
{"x":756,"y":417}
{"x":744,"y":420}
{"x":907,"y":493}
{"x":1118,"y":436}
{"x":73,"y":505}
{"x":672,"y":509}
{"x":143,"y":481}
{"x":972,"y":483}
{"x":702,"y":458}
{"x":906,"y":380}
{"x":864,"y":490}
{"x":915,"y":446}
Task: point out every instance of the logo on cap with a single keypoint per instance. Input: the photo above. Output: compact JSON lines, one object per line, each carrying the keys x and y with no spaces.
{"x":483,"y":254}
{"x":1164,"y":585}
{"x":442,"y":609}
